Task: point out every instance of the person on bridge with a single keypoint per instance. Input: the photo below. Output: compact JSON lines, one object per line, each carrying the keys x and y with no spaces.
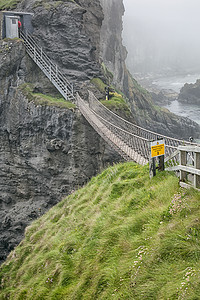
{"x":191,"y":139}
{"x":107,"y":92}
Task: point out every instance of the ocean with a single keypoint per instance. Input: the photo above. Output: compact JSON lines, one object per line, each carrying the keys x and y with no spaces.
{"x":176,"y":83}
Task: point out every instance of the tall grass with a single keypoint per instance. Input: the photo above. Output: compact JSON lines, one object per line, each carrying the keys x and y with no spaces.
{"x":122,"y":236}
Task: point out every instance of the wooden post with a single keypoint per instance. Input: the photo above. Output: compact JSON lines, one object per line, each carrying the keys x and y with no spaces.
{"x":183,"y":162}
{"x":152,"y":167}
{"x":197,"y":166}
{"x":161,"y":163}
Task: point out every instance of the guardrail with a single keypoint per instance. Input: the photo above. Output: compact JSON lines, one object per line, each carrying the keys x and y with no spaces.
{"x":189,"y":164}
{"x":48,"y":68}
{"x":171,"y":144}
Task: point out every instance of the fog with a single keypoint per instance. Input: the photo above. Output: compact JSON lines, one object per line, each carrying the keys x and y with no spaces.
{"x":162,"y":36}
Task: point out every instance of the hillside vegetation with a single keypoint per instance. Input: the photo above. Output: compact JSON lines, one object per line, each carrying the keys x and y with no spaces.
{"x":122,"y":236}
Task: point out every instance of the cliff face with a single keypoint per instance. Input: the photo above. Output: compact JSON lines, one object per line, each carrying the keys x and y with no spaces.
{"x":113,"y":53}
{"x":45,"y":152}
{"x":69,"y":33}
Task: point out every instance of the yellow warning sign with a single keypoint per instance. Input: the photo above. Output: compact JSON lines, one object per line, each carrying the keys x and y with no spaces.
{"x":157,"y":148}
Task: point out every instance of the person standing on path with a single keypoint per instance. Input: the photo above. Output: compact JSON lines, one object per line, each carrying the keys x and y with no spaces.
{"x":19,"y":27}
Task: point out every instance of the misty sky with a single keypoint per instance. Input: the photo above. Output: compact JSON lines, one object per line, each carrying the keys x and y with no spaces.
{"x":165,"y":30}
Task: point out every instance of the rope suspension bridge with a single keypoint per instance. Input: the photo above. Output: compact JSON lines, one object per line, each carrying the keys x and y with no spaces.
{"x":129,"y":140}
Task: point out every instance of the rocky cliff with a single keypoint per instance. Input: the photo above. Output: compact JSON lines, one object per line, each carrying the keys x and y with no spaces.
{"x":45,"y":151}
{"x":69,"y":32}
{"x":113,"y":53}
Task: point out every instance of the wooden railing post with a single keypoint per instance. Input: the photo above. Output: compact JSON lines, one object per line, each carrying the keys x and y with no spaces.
{"x":152,"y":167}
{"x":183,"y":162}
{"x":197,"y":166}
{"x":161,"y":163}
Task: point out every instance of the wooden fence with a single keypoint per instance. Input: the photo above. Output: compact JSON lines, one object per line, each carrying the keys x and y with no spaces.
{"x":188,"y":168}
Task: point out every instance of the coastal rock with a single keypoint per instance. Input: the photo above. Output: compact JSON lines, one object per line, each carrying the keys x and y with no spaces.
{"x":190,"y":93}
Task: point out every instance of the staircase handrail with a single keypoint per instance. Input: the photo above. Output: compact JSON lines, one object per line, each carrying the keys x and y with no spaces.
{"x":47,"y":66}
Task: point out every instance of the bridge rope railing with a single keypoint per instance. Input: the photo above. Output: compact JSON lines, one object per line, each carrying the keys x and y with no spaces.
{"x":171,"y":143}
{"x":139,"y":144}
{"x":127,"y":144}
{"x":49,"y":69}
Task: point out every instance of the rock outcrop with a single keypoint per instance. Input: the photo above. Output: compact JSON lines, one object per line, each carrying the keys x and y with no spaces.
{"x":190,"y":93}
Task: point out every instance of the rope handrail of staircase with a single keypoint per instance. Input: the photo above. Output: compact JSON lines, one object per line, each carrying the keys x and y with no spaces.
{"x":150,"y":135}
{"x":44,"y":62}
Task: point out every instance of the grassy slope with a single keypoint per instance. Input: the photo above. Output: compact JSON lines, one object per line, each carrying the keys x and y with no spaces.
{"x":45,"y":100}
{"x":122,"y":236}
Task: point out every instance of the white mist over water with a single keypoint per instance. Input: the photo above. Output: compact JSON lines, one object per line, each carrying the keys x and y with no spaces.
{"x":162,"y":36}
{"x":175,"y":82}
{"x":162,"y":39}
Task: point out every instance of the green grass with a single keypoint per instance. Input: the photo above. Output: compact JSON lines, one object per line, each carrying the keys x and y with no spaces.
{"x":9,"y":4}
{"x":122,"y":236}
{"x":41,"y":99}
{"x":100,"y":85}
{"x":117,"y":104}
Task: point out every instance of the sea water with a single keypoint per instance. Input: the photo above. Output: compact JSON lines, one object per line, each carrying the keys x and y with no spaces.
{"x":176,"y":83}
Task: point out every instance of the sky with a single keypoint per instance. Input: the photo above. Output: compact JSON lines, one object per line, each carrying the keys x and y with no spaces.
{"x":158,"y":33}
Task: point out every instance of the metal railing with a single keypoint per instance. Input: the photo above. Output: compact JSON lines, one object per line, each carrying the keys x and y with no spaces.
{"x":48,"y":68}
{"x":130,"y":140}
